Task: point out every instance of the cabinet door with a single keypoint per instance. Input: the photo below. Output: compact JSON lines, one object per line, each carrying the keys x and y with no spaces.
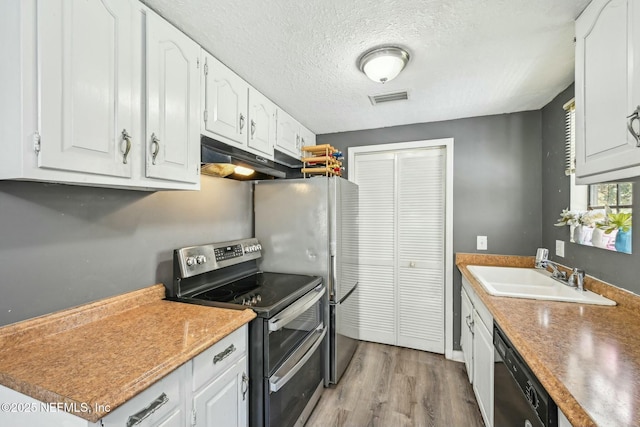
{"x":172,"y":133}
{"x":85,"y":55}
{"x":605,"y":89}
{"x":307,"y":138}
{"x":288,"y":138}
{"x":483,"y":360}
{"x":224,"y":401}
{"x":466,"y":333}
{"x":225,"y":102}
{"x":262,"y":124}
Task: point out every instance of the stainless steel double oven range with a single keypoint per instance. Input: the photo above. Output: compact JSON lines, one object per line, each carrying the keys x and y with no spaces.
{"x":285,"y":340}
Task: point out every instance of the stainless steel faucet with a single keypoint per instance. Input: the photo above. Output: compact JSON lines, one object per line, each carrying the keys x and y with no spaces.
{"x":556,"y":272}
{"x":575,"y":280}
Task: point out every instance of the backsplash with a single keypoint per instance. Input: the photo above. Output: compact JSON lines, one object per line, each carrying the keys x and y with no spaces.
{"x":62,"y":246}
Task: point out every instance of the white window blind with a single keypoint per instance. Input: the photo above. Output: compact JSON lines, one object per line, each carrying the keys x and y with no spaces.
{"x":570,"y":137}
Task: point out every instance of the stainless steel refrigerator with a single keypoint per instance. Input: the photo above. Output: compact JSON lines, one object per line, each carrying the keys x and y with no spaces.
{"x":310,"y":226}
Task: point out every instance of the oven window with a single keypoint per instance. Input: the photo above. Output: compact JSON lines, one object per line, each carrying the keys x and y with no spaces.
{"x":285,"y":341}
{"x":286,"y":405}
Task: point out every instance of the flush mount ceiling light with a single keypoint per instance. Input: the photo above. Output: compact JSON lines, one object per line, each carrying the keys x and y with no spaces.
{"x":383,"y":64}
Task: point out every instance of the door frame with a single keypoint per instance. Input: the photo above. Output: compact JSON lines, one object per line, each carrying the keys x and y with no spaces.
{"x":447,"y":143}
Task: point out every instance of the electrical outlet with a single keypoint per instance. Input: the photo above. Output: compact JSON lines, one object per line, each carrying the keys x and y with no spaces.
{"x":560,"y":248}
{"x":481,"y":243}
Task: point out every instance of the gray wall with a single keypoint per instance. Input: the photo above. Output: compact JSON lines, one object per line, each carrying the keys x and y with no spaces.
{"x":497,"y":180}
{"x":616,"y":268}
{"x":61,"y":245}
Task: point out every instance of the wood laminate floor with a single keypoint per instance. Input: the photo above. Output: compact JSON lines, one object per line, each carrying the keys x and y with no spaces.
{"x":386,"y":386}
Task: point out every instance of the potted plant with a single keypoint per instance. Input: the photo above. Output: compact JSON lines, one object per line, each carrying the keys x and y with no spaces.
{"x":580,"y":225}
{"x":594,"y":218}
{"x":620,"y":222}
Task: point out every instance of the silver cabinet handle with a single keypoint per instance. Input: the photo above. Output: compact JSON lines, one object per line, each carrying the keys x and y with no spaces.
{"x":253,"y":128}
{"x":470,"y":324}
{"x":633,"y":117}
{"x":296,"y":309}
{"x":245,"y":386}
{"x":298,"y":141}
{"x":155,"y":144}
{"x":127,"y":138}
{"x":224,"y":354}
{"x":241,"y":122}
{"x":138,"y":417}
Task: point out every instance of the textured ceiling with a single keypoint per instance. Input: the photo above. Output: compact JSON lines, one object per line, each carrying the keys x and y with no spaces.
{"x":468,"y":57}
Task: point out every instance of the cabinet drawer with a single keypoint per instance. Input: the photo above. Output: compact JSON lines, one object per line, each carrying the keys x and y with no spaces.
{"x":161,"y":402}
{"x":215,"y":360}
{"x":483,"y":312}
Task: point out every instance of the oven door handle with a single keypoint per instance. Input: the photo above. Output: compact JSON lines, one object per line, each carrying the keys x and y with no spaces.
{"x":278,"y":379}
{"x":296,"y":309}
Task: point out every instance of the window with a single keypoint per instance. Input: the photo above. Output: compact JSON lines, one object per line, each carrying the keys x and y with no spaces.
{"x":617,"y":196}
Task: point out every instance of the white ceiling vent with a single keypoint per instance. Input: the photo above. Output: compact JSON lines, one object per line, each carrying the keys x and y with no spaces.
{"x":388,"y":97}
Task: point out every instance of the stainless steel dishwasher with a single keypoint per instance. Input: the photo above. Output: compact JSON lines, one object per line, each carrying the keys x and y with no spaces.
{"x":519,"y":398}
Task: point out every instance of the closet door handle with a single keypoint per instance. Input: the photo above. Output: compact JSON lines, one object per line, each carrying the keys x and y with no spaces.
{"x":635,"y":116}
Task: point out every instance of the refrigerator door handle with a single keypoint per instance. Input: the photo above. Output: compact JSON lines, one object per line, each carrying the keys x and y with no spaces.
{"x":332,"y":278}
{"x":344,"y":298}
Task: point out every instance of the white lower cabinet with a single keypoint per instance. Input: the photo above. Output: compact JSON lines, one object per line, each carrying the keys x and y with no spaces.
{"x":223,"y":402}
{"x":476,"y":340}
{"x":221,"y":385}
{"x":466,"y":333}
{"x":210,"y":390}
{"x":162,"y":404}
{"x":483,"y":365}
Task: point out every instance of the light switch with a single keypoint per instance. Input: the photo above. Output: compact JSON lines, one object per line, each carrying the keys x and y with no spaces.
{"x":560,"y":248}
{"x":481,"y":243}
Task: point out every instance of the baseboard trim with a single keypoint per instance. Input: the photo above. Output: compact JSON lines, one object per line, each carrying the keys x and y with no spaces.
{"x":457,"y":356}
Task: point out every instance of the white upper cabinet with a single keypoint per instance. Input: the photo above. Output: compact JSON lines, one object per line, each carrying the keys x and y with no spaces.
{"x":262,"y":124}
{"x":234,"y":112}
{"x":85,"y":58}
{"x":173,"y":91}
{"x":224,"y":103}
{"x":73,"y":78}
{"x":288,"y":140}
{"x":292,"y":136}
{"x":608,"y":91}
{"x":307,"y":137}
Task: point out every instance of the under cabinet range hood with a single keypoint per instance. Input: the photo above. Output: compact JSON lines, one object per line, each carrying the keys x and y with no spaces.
{"x":222,"y":160}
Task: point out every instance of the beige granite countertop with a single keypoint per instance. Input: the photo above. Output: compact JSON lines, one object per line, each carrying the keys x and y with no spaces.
{"x":586,"y":356}
{"x":106,"y":352}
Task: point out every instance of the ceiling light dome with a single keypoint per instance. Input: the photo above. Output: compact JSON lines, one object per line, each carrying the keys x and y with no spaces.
{"x":383,"y":64}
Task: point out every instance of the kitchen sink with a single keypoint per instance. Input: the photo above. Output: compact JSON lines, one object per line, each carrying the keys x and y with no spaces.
{"x":531,"y":283}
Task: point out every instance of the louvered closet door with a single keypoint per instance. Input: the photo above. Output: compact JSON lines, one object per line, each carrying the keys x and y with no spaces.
{"x":420,"y":212}
{"x":402,"y":235}
{"x":376,"y":291}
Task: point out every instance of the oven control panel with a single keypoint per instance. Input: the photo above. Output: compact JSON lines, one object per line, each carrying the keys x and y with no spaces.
{"x":228,"y":252}
{"x":196,"y":260}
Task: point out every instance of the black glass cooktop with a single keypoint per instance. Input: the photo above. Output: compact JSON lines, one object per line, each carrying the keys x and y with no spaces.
{"x":265,"y":293}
